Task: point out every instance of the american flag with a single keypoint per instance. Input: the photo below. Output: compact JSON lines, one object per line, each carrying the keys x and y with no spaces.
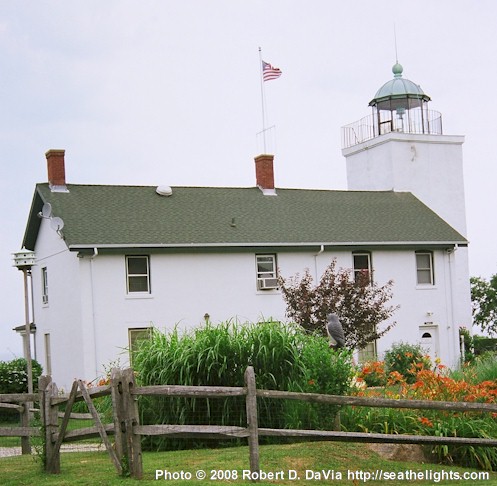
{"x":269,"y":72}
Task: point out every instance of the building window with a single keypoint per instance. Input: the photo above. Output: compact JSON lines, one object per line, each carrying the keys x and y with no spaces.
{"x":44,"y":285}
{"x":368,"y":353}
{"x":424,"y":268}
{"x":135,"y":335}
{"x":362,"y":267}
{"x":267,"y":277}
{"x":137,"y":274}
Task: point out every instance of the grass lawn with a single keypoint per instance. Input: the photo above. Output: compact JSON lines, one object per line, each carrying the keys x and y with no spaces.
{"x":95,"y":468}
{"x":9,"y":441}
{"x":16,"y":441}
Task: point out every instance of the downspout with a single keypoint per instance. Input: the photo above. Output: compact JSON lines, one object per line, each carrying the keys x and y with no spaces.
{"x":453,"y":342}
{"x":33,"y":315}
{"x":93,"y":319}
{"x":316,"y":261}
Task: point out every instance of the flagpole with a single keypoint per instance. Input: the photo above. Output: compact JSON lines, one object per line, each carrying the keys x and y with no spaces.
{"x":263,"y":102}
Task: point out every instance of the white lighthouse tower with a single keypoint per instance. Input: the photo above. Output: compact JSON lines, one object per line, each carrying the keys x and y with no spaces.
{"x":401,"y":147}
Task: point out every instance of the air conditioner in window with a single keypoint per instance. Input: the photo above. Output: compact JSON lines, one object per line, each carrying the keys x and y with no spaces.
{"x":267,"y":283}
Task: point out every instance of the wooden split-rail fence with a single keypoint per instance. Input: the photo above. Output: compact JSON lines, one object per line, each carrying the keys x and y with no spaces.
{"x":126,"y":453}
{"x":23,"y":404}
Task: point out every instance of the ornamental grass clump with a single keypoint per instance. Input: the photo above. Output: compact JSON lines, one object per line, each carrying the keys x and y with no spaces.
{"x":482,"y":368}
{"x":284,"y":357}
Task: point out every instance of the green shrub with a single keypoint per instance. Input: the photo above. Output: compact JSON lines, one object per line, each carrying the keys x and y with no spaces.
{"x":14,"y":375}
{"x":406,"y":359}
{"x":373,"y":373}
{"x":14,"y":379}
{"x":284,"y":357}
{"x":325,"y":371}
{"x":483,"y":344}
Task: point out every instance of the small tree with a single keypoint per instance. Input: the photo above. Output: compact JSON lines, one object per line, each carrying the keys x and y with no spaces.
{"x":360,"y":304}
{"x":484,"y":302}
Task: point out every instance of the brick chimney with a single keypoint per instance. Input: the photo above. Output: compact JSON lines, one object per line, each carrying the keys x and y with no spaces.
{"x":56,"y":170}
{"x":264,"y":172}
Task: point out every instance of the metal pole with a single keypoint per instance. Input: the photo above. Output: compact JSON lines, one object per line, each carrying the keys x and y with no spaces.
{"x":263,"y":100}
{"x":27,"y":335}
{"x":27,"y":415}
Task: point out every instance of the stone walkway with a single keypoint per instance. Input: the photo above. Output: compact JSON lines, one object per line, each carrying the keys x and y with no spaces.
{"x":16,"y":451}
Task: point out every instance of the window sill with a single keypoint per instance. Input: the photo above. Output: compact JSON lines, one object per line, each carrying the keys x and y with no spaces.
{"x":268,"y":292}
{"x":138,"y":295}
{"x":426,"y":287}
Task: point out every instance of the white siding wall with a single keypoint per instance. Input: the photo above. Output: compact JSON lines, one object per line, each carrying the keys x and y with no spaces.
{"x":61,"y":316}
{"x":89,"y":312}
{"x":185,"y":287}
{"x":444,"y":306}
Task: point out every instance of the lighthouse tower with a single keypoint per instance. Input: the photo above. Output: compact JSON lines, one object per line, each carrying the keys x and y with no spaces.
{"x":401,"y":147}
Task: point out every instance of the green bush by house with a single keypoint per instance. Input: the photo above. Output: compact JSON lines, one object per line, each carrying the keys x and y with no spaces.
{"x":14,"y":375}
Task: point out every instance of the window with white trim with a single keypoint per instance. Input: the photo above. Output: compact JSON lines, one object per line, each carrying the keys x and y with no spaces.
{"x":137,"y":274}
{"x":362,"y":266}
{"x":44,"y":285}
{"x":424,"y":268}
{"x":267,"y":278}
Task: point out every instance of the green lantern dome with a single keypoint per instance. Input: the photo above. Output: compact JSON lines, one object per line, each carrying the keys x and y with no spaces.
{"x":398,"y":106}
{"x":399,"y":93}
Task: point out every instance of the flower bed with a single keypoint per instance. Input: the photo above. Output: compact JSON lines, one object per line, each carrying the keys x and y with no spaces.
{"x":430,"y":383}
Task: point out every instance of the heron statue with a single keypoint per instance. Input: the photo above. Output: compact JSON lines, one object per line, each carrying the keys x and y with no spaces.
{"x":335,"y":332}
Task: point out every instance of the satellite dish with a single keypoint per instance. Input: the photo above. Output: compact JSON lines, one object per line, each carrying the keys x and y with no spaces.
{"x":46,"y":210}
{"x":56,"y":223}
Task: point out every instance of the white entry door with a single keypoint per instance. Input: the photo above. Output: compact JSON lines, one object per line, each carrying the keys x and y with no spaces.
{"x":429,"y":341}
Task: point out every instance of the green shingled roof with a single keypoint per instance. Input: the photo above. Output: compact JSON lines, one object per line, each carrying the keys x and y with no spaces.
{"x":134,"y":216}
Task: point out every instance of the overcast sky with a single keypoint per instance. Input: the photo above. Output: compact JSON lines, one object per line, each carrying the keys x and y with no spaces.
{"x":168,"y":92}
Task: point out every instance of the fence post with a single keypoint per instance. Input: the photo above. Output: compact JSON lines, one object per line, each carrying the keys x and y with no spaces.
{"x":128,"y":444}
{"x":117,"y":410}
{"x":49,"y":418}
{"x":252,"y":425}
{"x":25,"y":439}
